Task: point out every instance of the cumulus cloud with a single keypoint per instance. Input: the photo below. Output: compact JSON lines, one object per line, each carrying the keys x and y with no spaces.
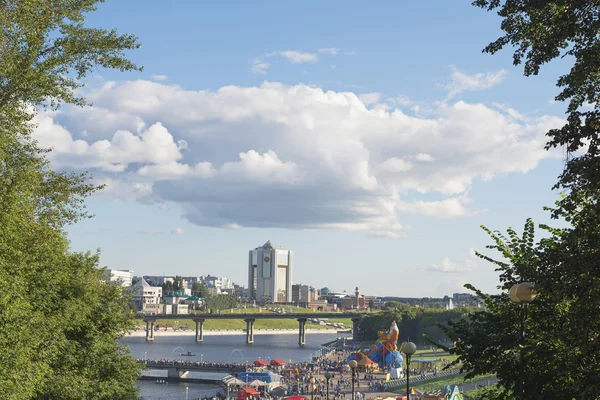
{"x":462,"y":82}
{"x":286,"y":156}
{"x":298,"y":57}
{"x":260,"y":67}
{"x":260,"y":64}
{"x":447,"y":266}
{"x":424,"y":157}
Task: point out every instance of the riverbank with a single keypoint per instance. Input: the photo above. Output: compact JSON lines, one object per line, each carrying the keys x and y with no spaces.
{"x":142,"y":333}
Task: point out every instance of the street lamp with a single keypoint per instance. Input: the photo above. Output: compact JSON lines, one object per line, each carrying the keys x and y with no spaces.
{"x":327,"y":377}
{"x":522,"y":294}
{"x":408,"y":348}
{"x":353,"y":364}
{"x":312,"y":387}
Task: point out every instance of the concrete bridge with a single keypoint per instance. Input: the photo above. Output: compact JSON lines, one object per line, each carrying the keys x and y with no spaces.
{"x":199,"y":319}
{"x":179,"y":369}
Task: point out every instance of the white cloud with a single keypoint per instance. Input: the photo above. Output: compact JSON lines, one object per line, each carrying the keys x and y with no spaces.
{"x":260,"y":67}
{"x":447,"y":266}
{"x":462,"y":82}
{"x":370,"y":98}
{"x":290,"y":156}
{"x":298,"y":57}
{"x":449,"y":208}
{"x":159,"y":77}
{"x":395,"y":165}
{"x":424,"y":157}
{"x":177,"y":231}
{"x":329,"y":50}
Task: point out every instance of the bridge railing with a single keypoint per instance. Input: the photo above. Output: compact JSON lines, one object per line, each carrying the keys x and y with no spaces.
{"x":200,"y":364}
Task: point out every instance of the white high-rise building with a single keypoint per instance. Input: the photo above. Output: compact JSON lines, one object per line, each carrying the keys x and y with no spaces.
{"x":226,"y":284}
{"x":121,"y":277}
{"x":270,"y":274}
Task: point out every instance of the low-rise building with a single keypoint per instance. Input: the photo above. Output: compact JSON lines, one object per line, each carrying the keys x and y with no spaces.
{"x":145,"y":297}
{"x":120,"y":276}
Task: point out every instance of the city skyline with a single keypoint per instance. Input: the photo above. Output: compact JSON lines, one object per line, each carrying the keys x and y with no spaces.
{"x":374,"y":153}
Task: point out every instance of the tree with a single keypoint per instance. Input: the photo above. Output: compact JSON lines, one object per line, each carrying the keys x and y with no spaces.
{"x":178,"y":284}
{"x":199,"y":289}
{"x":59,"y":316}
{"x":562,"y":328}
{"x":541,"y":31}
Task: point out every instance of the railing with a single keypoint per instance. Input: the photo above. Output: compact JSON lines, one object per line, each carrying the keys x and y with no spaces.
{"x":194,"y":365}
{"x":394,"y":383}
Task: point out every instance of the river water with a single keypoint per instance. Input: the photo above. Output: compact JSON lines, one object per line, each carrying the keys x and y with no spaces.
{"x":221,"y":349}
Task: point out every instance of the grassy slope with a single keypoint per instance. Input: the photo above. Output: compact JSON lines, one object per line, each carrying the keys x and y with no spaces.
{"x":443,"y":382}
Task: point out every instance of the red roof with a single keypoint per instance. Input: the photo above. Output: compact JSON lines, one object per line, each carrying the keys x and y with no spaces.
{"x":250,"y":391}
{"x":260,"y":363}
{"x":277,"y":362}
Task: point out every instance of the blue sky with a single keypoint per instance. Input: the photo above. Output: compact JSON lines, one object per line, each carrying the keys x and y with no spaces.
{"x":371,"y":141}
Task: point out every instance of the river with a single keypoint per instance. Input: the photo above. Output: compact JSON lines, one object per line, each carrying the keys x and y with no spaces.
{"x":221,"y":349}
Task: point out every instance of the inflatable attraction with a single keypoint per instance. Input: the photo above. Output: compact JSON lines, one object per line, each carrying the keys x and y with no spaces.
{"x":384,"y":353}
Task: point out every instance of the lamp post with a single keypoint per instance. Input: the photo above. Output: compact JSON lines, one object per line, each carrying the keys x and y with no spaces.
{"x":145,"y":357}
{"x":186,"y":392}
{"x":312,"y":387}
{"x":353,"y":364}
{"x":408,"y":348}
{"x":522,"y":294}
{"x":327,"y":377}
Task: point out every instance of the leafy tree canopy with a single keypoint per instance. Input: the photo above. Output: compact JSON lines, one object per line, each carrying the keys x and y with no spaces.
{"x":539,"y":32}
{"x":561,"y":349}
{"x":59,"y":316}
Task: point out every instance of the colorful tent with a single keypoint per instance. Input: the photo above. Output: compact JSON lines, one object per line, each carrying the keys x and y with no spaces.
{"x":277,"y":362}
{"x":414,"y":391}
{"x":246,"y":393}
{"x":260,"y":363}
{"x":258,"y":382}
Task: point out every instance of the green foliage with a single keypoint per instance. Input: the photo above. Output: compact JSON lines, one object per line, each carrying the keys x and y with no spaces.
{"x":485,"y":393}
{"x":541,"y":31}
{"x":561,"y":348}
{"x":565,"y":268}
{"x":46,"y":53}
{"x":59,"y":316}
{"x":199,"y":289}
{"x":221,"y":302}
{"x":413,"y":323}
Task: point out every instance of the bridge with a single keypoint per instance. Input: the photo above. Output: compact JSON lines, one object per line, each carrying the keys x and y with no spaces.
{"x":179,"y":369}
{"x":199,"y":319}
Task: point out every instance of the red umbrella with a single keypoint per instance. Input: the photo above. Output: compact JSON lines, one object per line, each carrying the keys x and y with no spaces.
{"x":295,"y":398}
{"x":260,"y":363}
{"x":277,"y":362}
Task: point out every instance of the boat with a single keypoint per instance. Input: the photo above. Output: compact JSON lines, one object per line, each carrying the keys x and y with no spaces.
{"x":188,"y":354}
{"x":161,"y":382}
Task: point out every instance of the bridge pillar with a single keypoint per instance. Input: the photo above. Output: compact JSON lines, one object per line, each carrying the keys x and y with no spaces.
{"x":355,"y":322}
{"x":302,"y":331}
{"x":175,"y":373}
{"x":199,"y":330}
{"x":249,"y":330}
{"x":150,"y":330}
